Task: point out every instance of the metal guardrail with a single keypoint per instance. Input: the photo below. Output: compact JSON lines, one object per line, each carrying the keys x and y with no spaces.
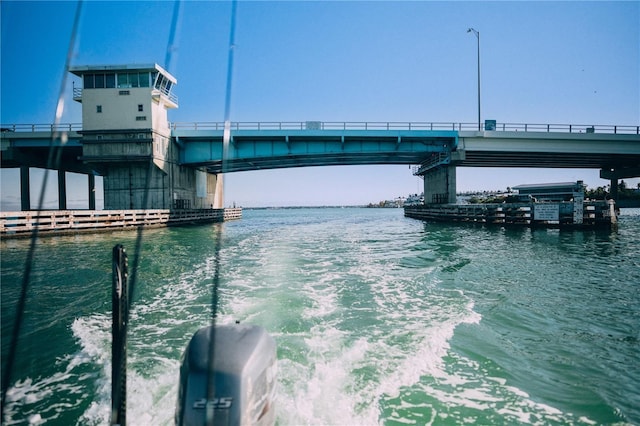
{"x":67,"y":127}
{"x":355,"y":125}
{"x":407,"y":125}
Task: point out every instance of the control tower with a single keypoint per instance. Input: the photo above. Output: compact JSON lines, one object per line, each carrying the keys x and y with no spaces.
{"x":126,"y":138}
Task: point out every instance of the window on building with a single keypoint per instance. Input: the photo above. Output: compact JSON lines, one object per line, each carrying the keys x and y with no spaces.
{"x":110,"y":81}
{"x":140,"y":107}
{"x":123,"y":81}
{"x":133,"y":79}
{"x":98,"y":108}
{"x":99,"y":81}
{"x":88,"y":81}
{"x":163,"y":84}
{"x":144,"y":79}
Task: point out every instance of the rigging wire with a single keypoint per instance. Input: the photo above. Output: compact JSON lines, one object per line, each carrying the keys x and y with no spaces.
{"x":226,"y":140}
{"x":172,"y":48}
{"x":52,"y":162}
{"x":118,"y":397}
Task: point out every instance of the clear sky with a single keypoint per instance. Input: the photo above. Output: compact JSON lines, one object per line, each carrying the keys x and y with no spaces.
{"x":541,"y":62}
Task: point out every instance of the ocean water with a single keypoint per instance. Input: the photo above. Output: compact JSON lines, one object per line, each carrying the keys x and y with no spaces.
{"x":379,"y":319}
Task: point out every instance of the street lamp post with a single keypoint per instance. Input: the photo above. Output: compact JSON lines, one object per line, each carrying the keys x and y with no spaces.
{"x":477,"y":33}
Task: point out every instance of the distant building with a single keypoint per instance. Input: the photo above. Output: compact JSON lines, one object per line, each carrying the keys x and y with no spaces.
{"x":563,"y":191}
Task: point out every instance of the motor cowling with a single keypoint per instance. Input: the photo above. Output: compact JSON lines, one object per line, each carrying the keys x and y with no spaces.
{"x":243,"y":375}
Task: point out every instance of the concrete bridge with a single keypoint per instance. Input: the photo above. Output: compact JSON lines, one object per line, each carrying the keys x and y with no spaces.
{"x":435,"y":149}
{"x":150,"y":163}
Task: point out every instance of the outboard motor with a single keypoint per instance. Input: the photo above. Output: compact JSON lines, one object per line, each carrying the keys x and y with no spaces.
{"x":244,"y":370}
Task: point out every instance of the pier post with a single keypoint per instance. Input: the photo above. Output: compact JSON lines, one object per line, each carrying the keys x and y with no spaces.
{"x":92,"y":192}
{"x":25,"y":194}
{"x":62,"y":190}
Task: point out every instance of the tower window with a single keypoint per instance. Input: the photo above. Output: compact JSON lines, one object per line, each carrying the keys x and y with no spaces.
{"x":110,"y":80}
{"x":140,"y":107}
{"x":98,"y":108}
{"x":99,"y":81}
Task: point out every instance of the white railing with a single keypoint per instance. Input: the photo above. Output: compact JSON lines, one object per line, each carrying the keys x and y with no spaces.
{"x":67,"y":127}
{"x":355,"y":125}
{"x":23,"y":223}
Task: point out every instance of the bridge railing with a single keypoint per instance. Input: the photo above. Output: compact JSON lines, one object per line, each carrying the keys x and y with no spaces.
{"x":67,"y":127}
{"x":407,"y":125}
{"x":354,"y":125}
{"x":568,"y":128}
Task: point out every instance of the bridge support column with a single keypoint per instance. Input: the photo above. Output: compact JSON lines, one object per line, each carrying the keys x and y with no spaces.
{"x":440,"y":185}
{"x":614,"y":174}
{"x":25,"y":194}
{"x":218,"y":196}
{"x":613,"y":188}
{"x":128,"y":185}
{"x":62,"y":190}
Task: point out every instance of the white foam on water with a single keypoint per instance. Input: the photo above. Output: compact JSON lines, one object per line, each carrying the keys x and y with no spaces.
{"x":323,"y":296}
{"x":472,"y":388}
{"x":320,"y":390}
{"x":325,"y":390}
{"x":424,"y":355}
{"x":68,"y":387}
{"x":151,"y":398}
{"x":94,"y":336}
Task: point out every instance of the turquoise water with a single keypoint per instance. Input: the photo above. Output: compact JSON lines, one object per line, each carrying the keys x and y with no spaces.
{"x":379,"y":319}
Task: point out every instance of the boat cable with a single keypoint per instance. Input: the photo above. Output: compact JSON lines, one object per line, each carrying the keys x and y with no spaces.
{"x":127,"y":286}
{"x":226,"y":140}
{"x":53,"y":160}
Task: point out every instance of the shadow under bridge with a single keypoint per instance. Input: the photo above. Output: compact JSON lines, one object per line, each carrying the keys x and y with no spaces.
{"x":272,"y":149}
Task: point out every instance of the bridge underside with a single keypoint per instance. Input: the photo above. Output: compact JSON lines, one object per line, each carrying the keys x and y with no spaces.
{"x":548,"y":160}
{"x":288,"y":161}
{"x":252,"y":151}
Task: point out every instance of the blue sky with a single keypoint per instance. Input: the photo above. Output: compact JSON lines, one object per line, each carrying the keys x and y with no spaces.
{"x":542,"y":62}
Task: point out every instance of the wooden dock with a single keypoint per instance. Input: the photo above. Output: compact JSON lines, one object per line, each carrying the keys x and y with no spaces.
{"x":57,"y":222}
{"x":548,"y":214}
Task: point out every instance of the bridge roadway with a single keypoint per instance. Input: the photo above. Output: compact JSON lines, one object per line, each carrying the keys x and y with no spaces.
{"x":260,"y":146}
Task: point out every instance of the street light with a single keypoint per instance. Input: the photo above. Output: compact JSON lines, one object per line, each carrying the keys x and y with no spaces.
{"x":477,"y":33}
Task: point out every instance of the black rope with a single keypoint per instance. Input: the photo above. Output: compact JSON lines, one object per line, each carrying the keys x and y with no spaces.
{"x":119,"y":381}
{"x":53,"y":160}
{"x":171,"y":44}
{"x":226,"y":139}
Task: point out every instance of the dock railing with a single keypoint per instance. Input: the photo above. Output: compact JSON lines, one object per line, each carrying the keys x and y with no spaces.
{"x":594,"y":213}
{"x":47,"y":222}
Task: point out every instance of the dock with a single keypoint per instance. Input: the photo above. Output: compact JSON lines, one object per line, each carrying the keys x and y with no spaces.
{"x":58,"y":222}
{"x":588,"y":214}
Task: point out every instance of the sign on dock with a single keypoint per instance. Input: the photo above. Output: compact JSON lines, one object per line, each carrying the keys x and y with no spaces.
{"x":546,"y":211}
